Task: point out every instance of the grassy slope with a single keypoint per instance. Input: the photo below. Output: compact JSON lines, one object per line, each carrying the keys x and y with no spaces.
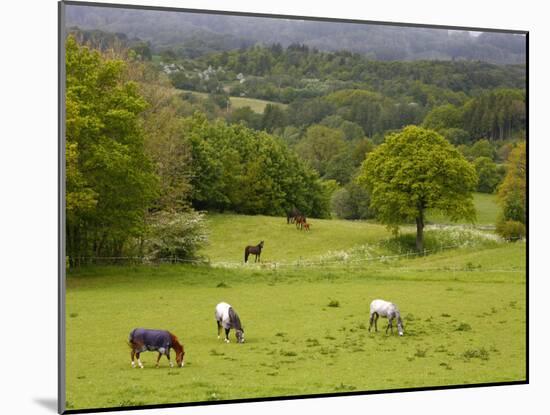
{"x":486,"y":207}
{"x":229,"y":234}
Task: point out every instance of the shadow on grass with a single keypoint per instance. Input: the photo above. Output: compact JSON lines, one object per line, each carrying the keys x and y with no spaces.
{"x":48,"y":403}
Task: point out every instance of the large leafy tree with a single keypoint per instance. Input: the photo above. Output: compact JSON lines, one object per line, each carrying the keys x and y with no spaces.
{"x":416,"y":170}
{"x":109,"y":182}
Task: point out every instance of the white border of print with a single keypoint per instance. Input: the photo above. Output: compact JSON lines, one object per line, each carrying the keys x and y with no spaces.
{"x":28,"y":212}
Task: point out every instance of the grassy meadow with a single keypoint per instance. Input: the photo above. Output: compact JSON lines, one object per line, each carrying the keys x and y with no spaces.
{"x":486,"y":207}
{"x":306,"y":326}
{"x":256,"y":105}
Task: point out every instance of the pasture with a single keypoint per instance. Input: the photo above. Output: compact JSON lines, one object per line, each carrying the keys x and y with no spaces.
{"x":256,"y":105}
{"x":486,"y":207}
{"x":305,"y":326}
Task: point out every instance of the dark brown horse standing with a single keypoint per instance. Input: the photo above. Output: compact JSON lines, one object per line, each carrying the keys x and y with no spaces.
{"x":256,"y":250}
{"x":292,"y":215}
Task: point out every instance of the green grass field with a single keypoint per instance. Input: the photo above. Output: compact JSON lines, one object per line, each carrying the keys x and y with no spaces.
{"x":463,"y":309}
{"x":256,"y":105}
{"x":486,"y":207}
{"x":229,"y":234}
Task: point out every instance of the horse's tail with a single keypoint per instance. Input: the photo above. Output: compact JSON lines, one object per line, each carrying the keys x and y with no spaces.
{"x":246,"y":255}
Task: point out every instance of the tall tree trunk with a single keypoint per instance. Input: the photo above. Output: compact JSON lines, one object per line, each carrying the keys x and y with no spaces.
{"x":420,"y":231}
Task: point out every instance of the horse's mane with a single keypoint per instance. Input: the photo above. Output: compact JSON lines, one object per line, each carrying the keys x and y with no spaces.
{"x":234,"y":319}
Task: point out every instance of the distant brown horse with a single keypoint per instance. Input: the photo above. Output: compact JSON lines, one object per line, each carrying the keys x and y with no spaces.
{"x":292,"y":215}
{"x":306,"y":226}
{"x":256,"y":250}
{"x":300,"y":221}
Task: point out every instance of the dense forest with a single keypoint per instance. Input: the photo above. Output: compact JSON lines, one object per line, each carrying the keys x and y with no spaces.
{"x":154,"y":137}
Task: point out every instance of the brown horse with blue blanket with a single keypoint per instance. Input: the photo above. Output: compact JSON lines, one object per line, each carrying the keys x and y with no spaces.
{"x":143,"y":340}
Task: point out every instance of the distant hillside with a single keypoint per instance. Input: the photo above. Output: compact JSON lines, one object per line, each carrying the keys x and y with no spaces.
{"x":209,"y":32}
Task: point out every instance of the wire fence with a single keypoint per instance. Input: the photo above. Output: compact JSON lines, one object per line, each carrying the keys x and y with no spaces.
{"x":349,"y":262}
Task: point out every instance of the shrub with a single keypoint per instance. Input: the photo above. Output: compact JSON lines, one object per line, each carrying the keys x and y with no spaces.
{"x":351,"y":202}
{"x":511,"y":230}
{"x":177,"y":235}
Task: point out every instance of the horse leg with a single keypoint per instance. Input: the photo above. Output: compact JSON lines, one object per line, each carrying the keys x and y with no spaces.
{"x":139,"y":361}
{"x":158,"y":359}
{"x":168,"y":357}
{"x":371,"y":321}
{"x":132,"y":354}
{"x":227,"y":335}
{"x":389,"y":326}
{"x":376,"y":322}
{"x":219,"y":328}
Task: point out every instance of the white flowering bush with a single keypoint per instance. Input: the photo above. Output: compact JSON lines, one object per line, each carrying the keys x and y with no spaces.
{"x":177,"y":235}
{"x":438,"y":237}
{"x":355,"y":253}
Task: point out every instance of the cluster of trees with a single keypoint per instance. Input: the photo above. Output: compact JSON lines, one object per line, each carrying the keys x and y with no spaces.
{"x":497,"y":114}
{"x":310,"y":71}
{"x":247,"y":171}
{"x":337,"y":100}
{"x":109,"y":180}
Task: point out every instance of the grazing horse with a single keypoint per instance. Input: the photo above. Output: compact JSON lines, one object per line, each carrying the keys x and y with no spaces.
{"x":256,"y":250}
{"x":228,"y":318}
{"x":292,"y":215}
{"x":300,"y":221}
{"x":142,"y":340}
{"x":388,"y":310}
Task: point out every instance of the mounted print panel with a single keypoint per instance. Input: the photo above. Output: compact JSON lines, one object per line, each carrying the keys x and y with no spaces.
{"x":259,"y":207}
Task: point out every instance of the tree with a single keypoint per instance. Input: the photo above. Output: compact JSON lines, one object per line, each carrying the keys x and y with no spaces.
{"x":321,"y":145}
{"x":481,"y":148}
{"x":351,"y":202}
{"x":512,"y":191}
{"x":415,"y":170}
{"x":487,"y":173}
{"x":445,"y":116}
{"x":456,"y":136}
{"x":273,"y":117}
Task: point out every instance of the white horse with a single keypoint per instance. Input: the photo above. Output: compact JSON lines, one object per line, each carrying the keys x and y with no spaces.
{"x":388,"y":310}
{"x":227,"y":318}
